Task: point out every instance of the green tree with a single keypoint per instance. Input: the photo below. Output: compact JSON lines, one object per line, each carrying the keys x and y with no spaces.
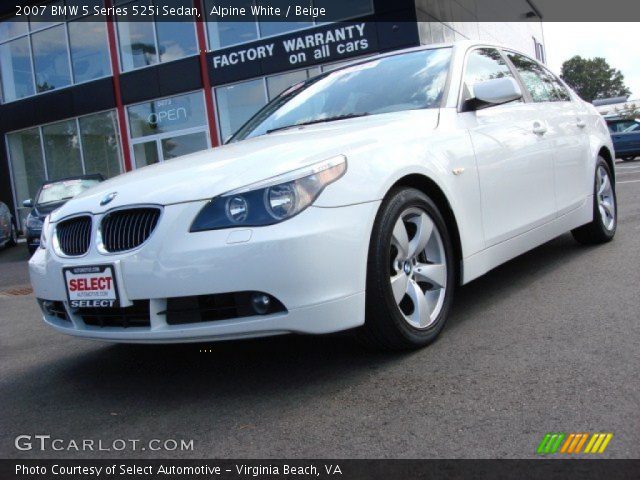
{"x":594,"y":78}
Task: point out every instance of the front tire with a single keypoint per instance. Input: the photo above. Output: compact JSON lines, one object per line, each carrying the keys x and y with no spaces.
{"x":410,"y":273}
{"x":605,"y":209}
{"x":628,"y":159}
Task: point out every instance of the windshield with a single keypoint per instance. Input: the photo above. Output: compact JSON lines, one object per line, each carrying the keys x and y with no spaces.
{"x":633,"y":128}
{"x":64,"y":190}
{"x":408,"y":81}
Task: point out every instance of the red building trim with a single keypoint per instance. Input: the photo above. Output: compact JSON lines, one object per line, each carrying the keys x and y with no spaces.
{"x":115,"y":69}
{"x":204,"y":72}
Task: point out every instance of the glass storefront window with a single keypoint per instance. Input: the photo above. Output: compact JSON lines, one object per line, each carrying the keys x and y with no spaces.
{"x":51,"y":58}
{"x":15,"y":69}
{"x":168,"y":128}
{"x":25,"y":151}
{"x":137,"y":45}
{"x":269,"y":29}
{"x":12,"y":27}
{"x":147,"y":43}
{"x":78,"y":146}
{"x":183,"y":145}
{"x":62,"y":149}
{"x":89,"y":51}
{"x":100,"y":144}
{"x":145,"y":154}
{"x":236,"y":30}
{"x":230,"y":32}
{"x":176,"y":39}
{"x":237,"y":104}
{"x":170,"y":114}
{"x":346,"y":8}
{"x":279,"y":83}
{"x":42,"y":55}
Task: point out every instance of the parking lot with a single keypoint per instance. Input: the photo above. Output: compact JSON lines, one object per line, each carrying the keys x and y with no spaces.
{"x":549,"y":342}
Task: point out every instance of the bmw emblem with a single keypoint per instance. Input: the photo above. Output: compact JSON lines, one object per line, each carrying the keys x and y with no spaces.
{"x":108,"y":198}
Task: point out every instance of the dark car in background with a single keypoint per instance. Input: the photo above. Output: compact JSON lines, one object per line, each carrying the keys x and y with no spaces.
{"x":8,"y":230}
{"x":53,"y":195}
{"x":625,"y":134}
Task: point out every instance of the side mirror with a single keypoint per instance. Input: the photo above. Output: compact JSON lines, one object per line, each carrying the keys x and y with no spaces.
{"x":494,"y":92}
{"x":27,"y":203}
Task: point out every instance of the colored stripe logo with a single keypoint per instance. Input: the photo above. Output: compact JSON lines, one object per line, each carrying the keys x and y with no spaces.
{"x":572,"y":443}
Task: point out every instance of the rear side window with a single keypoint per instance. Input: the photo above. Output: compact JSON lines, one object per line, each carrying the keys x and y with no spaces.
{"x":624,"y":126}
{"x":541,"y":84}
{"x":483,"y":64}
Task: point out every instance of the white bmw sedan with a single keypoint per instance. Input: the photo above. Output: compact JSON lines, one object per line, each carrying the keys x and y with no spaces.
{"x":357,"y":199}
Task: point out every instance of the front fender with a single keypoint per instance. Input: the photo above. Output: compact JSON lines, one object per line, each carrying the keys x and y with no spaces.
{"x":372,"y":172}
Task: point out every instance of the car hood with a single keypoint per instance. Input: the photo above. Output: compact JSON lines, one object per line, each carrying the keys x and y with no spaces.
{"x":42,"y":211}
{"x":212,"y":172}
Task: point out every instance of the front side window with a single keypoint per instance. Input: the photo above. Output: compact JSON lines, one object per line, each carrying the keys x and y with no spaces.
{"x":482,"y":65}
{"x":634,"y":127}
{"x":538,"y":82}
{"x":624,"y":126}
{"x":409,"y":81}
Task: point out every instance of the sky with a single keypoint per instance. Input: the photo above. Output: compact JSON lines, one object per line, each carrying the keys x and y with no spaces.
{"x":616,"y":42}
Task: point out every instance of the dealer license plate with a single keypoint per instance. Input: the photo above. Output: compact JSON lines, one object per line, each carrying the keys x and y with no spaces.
{"x":91,"y":286}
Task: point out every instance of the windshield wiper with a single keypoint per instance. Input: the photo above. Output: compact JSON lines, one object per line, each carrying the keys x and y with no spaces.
{"x":319,"y":120}
{"x":55,"y":201}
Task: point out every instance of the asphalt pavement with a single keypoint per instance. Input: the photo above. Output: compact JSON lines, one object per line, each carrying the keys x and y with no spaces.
{"x":549,"y":342}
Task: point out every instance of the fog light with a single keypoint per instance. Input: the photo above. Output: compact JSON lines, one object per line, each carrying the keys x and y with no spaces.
{"x":260,"y":303}
{"x":47,"y":306}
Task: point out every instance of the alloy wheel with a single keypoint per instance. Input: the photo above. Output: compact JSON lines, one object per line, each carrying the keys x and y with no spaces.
{"x":418,"y":268}
{"x":606,"y":198}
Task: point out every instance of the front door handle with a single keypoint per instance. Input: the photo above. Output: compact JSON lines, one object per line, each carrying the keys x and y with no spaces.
{"x":581,"y":123}
{"x":539,"y":128}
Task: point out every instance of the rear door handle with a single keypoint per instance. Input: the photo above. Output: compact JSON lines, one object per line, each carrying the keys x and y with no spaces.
{"x":539,"y":128}
{"x":581,"y":123}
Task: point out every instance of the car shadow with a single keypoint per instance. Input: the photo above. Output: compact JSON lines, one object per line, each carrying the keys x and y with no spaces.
{"x":264,"y":367}
{"x":512,"y":277}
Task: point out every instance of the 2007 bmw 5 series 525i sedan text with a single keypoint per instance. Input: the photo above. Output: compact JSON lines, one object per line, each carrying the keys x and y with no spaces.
{"x":357,"y":199}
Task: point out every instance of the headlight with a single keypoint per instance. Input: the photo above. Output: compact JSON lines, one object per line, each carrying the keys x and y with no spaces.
{"x":43,"y":234}
{"x":270,"y":201}
{"x":34,"y":222}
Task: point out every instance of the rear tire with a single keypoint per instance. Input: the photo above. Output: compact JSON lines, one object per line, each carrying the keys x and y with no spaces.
{"x":13,"y":240}
{"x":602,"y":228}
{"x":411,"y":273}
{"x":628,"y":159}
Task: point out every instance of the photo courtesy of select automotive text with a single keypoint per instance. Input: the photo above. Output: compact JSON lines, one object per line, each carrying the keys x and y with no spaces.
{"x":335,"y":239}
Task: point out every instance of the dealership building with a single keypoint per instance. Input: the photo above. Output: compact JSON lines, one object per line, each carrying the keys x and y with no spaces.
{"x":109,"y":96}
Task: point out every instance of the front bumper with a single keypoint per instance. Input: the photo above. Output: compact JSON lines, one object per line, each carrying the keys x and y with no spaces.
{"x":33,"y":238}
{"x":314,"y":263}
